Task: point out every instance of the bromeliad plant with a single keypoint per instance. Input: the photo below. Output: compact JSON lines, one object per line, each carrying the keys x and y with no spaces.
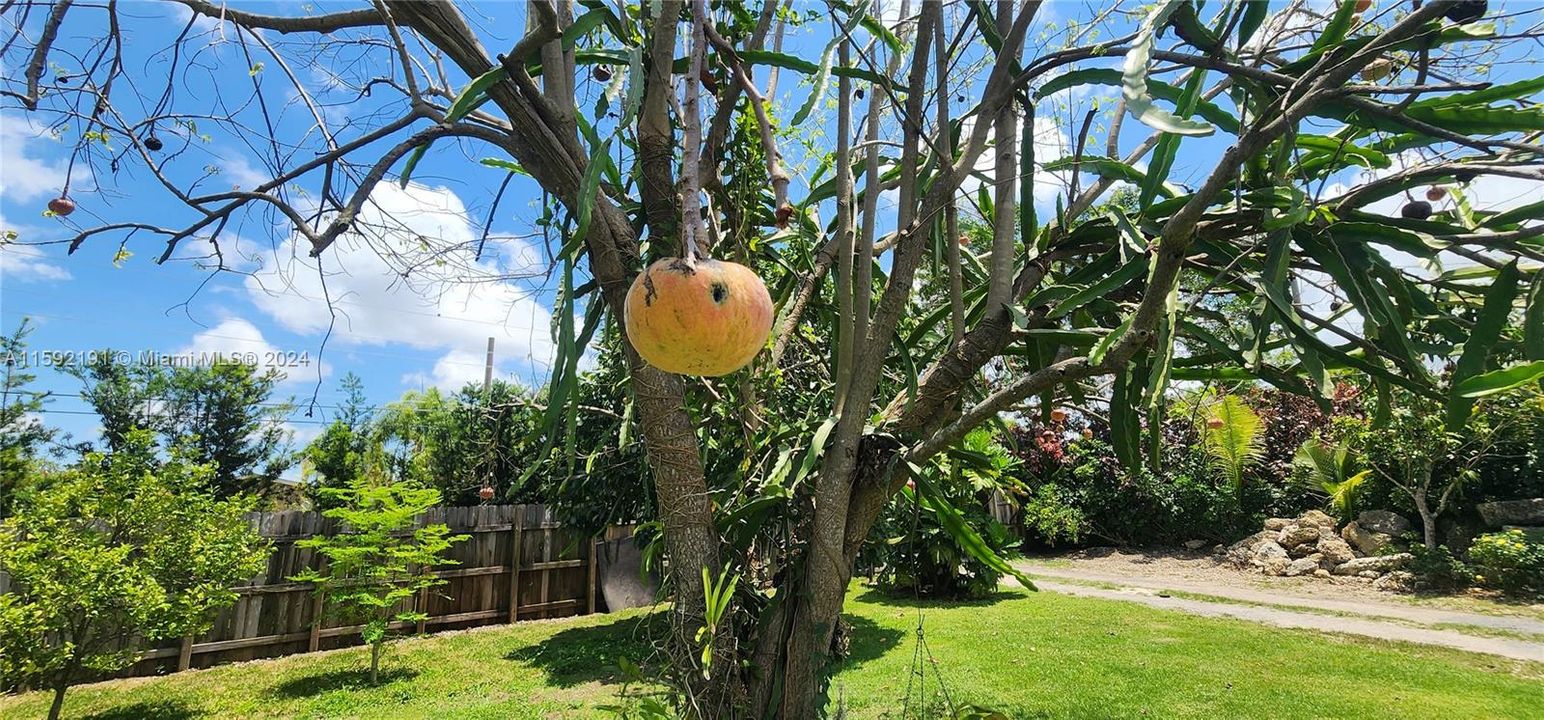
{"x":892,"y":340}
{"x":381,"y":557}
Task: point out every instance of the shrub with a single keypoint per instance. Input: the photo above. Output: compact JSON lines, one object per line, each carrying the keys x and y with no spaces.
{"x":1046,"y":516}
{"x":1509,"y":561}
{"x":119,"y":552}
{"x":1438,"y":568}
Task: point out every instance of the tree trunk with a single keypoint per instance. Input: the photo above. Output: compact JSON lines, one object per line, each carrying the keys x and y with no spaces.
{"x":375,"y":662}
{"x":58,"y":706}
{"x":1428,"y":520}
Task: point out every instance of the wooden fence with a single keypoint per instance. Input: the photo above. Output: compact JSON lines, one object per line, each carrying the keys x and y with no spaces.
{"x":517,"y":564}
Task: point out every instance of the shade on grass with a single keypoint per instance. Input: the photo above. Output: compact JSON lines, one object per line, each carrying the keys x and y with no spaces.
{"x":1028,"y":655}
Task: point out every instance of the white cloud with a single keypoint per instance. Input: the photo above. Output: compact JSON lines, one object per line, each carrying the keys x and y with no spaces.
{"x":240,"y":339}
{"x":409,"y":277}
{"x":26,"y":264}
{"x":26,"y":177}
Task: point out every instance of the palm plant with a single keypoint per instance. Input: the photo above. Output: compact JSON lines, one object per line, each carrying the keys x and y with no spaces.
{"x":1328,"y":468}
{"x":1230,"y":433}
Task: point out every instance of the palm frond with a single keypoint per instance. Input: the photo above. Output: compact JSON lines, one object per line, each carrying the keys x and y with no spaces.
{"x":1231,"y":436}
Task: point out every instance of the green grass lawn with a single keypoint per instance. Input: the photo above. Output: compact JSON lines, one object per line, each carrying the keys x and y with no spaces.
{"x":1027,"y":655}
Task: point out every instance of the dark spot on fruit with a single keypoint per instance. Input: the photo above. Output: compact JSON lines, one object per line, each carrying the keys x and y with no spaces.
{"x":648,"y":289}
{"x":720,"y":293}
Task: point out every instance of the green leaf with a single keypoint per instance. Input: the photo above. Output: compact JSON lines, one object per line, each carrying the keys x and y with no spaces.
{"x":1102,"y":348}
{"x":1254,"y":15}
{"x":1157,"y":88}
{"x":583,"y":25}
{"x":503,"y":164}
{"x":1128,"y":272}
{"x":1482,"y":338}
{"x":967,"y":537}
{"x":1408,"y":241}
{"x":1335,"y":30}
{"x":473,"y":95}
{"x":1134,"y":86}
{"x":1533,"y":321}
{"x":1496,"y":382}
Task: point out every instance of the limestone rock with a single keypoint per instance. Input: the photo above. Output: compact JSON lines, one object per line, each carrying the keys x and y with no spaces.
{"x":1321,"y":573}
{"x":1275,"y":566}
{"x":1242,"y":552}
{"x":1294,"y":535}
{"x":1269,"y":550}
{"x":1303,"y":566}
{"x":1396,"y":581}
{"x":1334,"y":550}
{"x":1317,"y":518}
{"x":1383,"y":521}
{"x":1276,"y":523}
{"x":1378,"y":564}
{"x":1364,"y":540}
{"x":1303,"y":550}
{"x":1195,"y":544}
{"x":1513,"y":512}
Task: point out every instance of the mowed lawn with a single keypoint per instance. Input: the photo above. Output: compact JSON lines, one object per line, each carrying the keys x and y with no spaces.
{"x":1026,"y":655}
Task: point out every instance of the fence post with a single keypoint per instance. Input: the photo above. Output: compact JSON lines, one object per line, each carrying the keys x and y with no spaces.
{"x":314,"y":643}
{"x":185,"y":655}
{"x":594,"y":562}
{"x":514,"y":563}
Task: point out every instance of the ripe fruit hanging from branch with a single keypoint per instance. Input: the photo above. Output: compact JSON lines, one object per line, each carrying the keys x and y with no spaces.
{"x":1362,"y":5}
{"x":1435,"y":193}
{"x":1416,"y":210}
{"x":1378,"y":69}
{"x":706,"y":318}
{"x":153,"y":143}
{"x":61,"y":206}
{"x":1467,"y":11}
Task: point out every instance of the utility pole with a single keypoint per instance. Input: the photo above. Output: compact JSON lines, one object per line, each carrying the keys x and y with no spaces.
{"x":488,"y":368}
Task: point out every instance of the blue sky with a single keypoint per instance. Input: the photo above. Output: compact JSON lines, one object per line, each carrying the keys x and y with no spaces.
{"x":398,"y":333}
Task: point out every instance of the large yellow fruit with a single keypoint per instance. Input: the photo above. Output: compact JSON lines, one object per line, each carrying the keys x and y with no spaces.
{"x":708,"y":320}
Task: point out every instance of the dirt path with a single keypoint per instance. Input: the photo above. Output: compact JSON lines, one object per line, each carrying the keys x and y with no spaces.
{"x":1194,"y":583}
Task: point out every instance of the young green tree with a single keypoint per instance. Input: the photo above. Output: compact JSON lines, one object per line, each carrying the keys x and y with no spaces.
{"x":118,"y":552}
{"x":337,"y":456}
{"x":22,"y":435}
{"x":380,"y":556}
{"x":224,"y":414}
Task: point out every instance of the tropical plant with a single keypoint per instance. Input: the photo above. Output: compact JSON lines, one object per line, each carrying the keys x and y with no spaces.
{"x":1231,"y":434}
{"x":892,"y":341}
{"x":381,"y":556}
{"x":1330,"y":469}
{"x":121,"y":551}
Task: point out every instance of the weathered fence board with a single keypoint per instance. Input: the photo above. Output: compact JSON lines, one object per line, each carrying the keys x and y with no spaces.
{"x":517,"y":563}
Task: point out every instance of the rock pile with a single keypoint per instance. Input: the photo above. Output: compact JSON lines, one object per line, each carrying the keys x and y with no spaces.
{"x":1313,"y":544}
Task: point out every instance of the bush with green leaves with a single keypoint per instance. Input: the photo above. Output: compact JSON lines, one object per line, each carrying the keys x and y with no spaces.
{"x":1439,"y":569}
{"x":380,"y":557}
{"x":920,"y":545}
{"x":113,"y":555}
{"x":1509,"y":560}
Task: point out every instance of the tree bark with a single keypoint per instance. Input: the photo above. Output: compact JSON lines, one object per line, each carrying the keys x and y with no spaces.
{"x":58,"y":705}
{"x":375,"y":663}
